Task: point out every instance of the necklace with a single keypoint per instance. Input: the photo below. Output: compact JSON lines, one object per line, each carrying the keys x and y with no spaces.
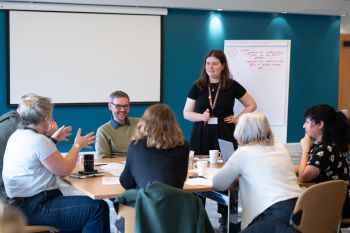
{"x":26,"y":127}
{"x":213,"y":86}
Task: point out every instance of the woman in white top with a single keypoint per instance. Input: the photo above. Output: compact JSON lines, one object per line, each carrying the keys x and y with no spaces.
{"x":31,"y":164}
{"x":268,"y":185}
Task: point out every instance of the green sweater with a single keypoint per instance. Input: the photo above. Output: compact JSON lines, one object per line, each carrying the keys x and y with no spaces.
{"x":113,"y":142}
{"x":162,"y":208}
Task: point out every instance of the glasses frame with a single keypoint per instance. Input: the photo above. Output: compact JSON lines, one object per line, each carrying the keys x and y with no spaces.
{"x":120,"y":106}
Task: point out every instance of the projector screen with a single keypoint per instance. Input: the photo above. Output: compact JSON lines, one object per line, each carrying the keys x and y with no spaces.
{"x":80,"y":58}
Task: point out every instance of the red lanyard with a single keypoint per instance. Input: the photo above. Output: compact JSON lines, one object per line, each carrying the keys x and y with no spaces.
{"x":212,"y":104}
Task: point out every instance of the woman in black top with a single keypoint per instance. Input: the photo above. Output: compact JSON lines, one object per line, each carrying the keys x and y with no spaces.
{"x":158,"y":151}
{"x":325,"y":145}
{"x":210,"y":104}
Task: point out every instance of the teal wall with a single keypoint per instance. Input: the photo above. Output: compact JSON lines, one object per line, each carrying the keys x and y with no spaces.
{"x":189,"y":34}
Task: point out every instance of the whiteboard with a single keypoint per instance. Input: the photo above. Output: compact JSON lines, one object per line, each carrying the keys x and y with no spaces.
{"x":80,"y":58}
{"x":262,"y":67}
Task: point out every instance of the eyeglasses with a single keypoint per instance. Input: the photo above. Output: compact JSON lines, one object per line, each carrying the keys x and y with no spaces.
{"x":120,"y":106}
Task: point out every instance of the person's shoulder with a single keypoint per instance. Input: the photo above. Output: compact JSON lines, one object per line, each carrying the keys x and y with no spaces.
{"x":195,"y":91}
{"x":137,"y":146}
{"x":9,"y":115}
{"x":322,"y":147}
{"x":184,"y":148}
{"x":186,"y":144}
{"x":104,"y":126}
{"x":250,"y":149}
{"x":133,"y":120}
{"x":279,"y":145}
{"x":234,"y":84}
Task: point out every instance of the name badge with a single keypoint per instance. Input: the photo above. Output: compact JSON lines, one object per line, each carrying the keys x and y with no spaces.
{"x":213,"y":121}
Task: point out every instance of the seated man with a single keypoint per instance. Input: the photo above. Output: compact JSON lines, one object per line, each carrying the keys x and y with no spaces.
{"x":113,"y":138}
{"x":8,"y":125}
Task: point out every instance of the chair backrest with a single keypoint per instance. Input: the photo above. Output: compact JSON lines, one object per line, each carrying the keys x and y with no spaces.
{"x":319,"y":208}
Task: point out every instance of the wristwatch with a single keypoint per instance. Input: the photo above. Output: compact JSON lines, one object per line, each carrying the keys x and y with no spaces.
{"x":77,"y":145}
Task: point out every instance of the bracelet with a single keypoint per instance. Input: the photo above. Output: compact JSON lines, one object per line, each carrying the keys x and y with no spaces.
{"x":54,"y":140}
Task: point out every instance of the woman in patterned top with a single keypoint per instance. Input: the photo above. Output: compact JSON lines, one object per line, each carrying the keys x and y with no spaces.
{"x":325,"y":145}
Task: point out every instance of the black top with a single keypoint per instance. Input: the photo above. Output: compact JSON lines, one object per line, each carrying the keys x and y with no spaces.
{"x":205,"y":137}
{"x":145,"y":164}
{"x":225,"y":102}
{"x":332,"y":164}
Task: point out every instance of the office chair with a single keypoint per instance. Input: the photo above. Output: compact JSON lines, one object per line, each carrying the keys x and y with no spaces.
{"x":319,"y":208}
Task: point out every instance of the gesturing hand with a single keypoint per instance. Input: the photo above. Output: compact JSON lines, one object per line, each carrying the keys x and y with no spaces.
{"x":62,"y":133}
{"x":85,"y":141}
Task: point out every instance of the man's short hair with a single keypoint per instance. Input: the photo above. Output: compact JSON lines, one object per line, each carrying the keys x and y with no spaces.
{"x":118,"y":94}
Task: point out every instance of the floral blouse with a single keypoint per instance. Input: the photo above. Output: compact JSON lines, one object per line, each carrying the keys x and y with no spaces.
{"x":332,"y":164}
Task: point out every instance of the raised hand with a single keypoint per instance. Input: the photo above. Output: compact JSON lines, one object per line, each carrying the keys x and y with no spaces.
{"x":85,"y":141}
{"x":62,"y":133}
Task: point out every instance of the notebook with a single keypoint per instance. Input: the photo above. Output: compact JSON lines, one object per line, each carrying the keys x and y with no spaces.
{"x":226,"y":149}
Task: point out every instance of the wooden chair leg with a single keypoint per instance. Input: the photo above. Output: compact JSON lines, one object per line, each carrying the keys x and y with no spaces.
{"x":40,"y":228}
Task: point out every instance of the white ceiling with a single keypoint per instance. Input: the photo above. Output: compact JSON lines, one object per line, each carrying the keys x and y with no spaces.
{"x":317,"y":7}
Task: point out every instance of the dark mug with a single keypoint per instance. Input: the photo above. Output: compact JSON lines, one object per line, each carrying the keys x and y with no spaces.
{"x":89,"y":163}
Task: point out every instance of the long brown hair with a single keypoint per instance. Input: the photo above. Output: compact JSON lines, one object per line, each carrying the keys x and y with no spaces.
{"x":159,"y":126}
{"x":226,"y":77}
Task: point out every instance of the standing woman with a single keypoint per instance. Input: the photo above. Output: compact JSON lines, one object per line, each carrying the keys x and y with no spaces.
{"x":210,"y":104}
{"x":325,"y":145}
{"x":31,"y":166}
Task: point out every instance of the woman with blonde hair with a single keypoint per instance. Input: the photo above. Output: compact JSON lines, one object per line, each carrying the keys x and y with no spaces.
{"x":268,"y":185}
{"x":32,"y":163}
{"x":158,"y":151}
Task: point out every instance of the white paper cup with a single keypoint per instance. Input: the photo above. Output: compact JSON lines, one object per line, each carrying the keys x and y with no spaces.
{"x":191,"y":154}
{"x":190,"y":158}
{"x":213,"y":156}
{"x":201,"y":167}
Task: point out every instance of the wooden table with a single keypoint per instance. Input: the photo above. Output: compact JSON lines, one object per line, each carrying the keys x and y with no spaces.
{"x":94,"y":188}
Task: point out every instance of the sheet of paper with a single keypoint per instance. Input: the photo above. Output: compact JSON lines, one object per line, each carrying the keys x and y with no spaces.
{"x":199,"y":181}
{"x":110,"y":180}
{"x":115,"y":169}
{"x":210,"y":172}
